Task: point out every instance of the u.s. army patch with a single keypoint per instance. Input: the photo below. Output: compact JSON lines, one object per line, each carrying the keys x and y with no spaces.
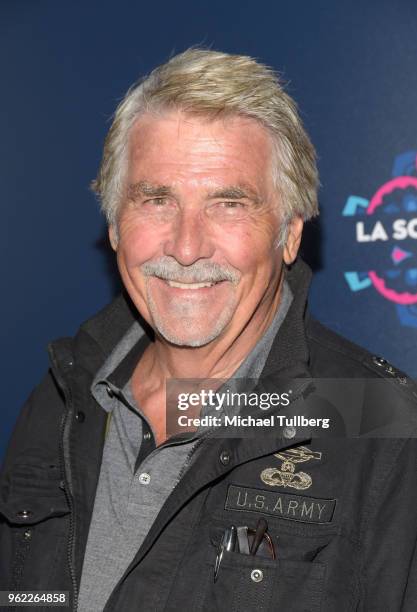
{"x":282,"y":505}
{"x":287,"y":476}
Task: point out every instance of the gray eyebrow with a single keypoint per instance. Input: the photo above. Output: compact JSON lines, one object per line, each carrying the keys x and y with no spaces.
{"x":236,"y":192}
{"x":148,"y":189}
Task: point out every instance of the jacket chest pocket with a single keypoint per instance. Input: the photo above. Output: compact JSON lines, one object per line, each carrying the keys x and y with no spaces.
{"x":250,"y":583}
{"x":32,"y":505}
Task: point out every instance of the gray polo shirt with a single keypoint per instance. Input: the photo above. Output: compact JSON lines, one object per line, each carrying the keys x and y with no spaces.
{"x":136,"y":478}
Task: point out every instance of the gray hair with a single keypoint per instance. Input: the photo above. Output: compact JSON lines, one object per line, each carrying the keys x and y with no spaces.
{"x":214,"y":85}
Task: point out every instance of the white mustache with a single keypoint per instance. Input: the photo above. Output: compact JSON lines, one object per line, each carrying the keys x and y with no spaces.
{"x":168,"y":268}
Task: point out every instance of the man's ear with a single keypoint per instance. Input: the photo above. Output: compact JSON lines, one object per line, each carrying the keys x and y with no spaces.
{"x":292,"y":244}
{"x":113,"y":237}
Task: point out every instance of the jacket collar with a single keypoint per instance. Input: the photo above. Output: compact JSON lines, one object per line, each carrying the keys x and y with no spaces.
{"x":290,"y":349}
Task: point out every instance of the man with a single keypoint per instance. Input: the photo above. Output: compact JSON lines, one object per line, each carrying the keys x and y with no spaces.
{"x":206,"y":179}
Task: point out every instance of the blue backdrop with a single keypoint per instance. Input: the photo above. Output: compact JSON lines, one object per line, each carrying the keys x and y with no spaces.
{"x":350,"y":65}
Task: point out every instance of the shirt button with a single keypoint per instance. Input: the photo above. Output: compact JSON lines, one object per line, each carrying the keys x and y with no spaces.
{"x":109,"y":391}
{"x":289,"y":432}
{"x":147,"y":435}
{"x":144,"y":478}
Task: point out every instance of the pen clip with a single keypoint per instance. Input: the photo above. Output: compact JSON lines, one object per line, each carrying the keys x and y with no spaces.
{"x":227,"y":543}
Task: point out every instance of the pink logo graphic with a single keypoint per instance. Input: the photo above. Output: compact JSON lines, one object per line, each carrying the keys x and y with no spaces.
{"x":398,"y":255}
{"x":386,"y":235}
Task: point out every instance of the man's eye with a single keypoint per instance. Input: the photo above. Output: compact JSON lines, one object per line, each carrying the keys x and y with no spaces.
{"x":233,"y":204}
{"x":229,"y":210}
{"x":156,"y":201}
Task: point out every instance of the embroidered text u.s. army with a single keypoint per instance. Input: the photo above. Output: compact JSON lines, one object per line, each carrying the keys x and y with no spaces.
{"x":282,"y":505}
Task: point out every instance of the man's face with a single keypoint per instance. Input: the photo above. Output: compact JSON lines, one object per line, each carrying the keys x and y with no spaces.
{"x":198,"y":231}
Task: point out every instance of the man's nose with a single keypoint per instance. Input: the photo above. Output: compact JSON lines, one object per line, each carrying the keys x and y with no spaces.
{"x":190,"y":238}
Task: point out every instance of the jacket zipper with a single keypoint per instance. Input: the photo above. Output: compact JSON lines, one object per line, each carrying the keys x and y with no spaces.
{"x":22,"y":550}
{"x":188,"y":458}
{"x":65,"y":471}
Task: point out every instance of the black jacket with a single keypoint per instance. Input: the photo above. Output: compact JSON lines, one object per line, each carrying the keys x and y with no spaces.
{"x":345,"y":540}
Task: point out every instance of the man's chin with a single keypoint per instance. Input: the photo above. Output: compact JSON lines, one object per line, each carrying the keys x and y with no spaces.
{"x":189,"y":326}
{"x":185,"y":338}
